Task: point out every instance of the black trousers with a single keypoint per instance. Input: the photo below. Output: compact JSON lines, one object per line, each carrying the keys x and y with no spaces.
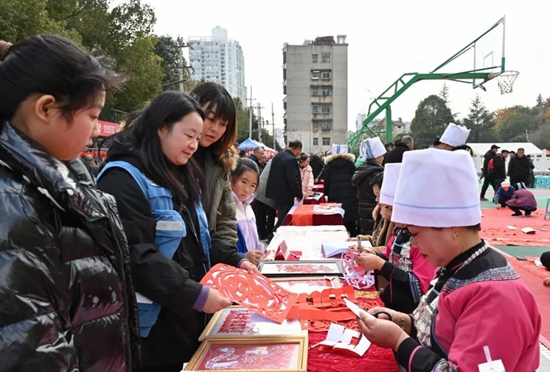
{"x":545,"y":260}
{"x":265,"y":219}
{"x":282,"y":211}
{"x":518,"y":210}
{"x":487,"y":180}
{"x":352,"y":227}
{"x":514,"y":180}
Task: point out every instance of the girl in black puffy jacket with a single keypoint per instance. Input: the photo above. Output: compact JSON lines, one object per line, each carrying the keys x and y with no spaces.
{"x":66,"y":298}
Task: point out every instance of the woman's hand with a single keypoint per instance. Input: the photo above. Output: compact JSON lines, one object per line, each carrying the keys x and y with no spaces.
{"x":250,"y":267}
{"x":215,"y":302}
{"x":369,"y":261}
{"x":394,"y":314}
{"x":254,"y":256}
{"x":382,"y":332}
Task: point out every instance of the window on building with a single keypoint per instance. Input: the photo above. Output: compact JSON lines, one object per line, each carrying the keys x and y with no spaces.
{"x":314,"y":58}
{"x":325,"y":57}
{"x":316,"y":142}
{"x":314,"y":92}
{"x":325,"y":75}
{"x":315,"y":109}
{"x":326,"y":141}
{"x":326,"y":109}
{"x":326,"y":125}
{"x":315,"y":74}
{"x":326,"y":92}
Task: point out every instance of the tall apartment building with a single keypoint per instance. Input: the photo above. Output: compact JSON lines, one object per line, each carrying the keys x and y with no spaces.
{"x":218,"y":59}
{"x":316,"y":92}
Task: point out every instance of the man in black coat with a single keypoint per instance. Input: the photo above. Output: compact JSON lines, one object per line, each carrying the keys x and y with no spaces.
{"x":499,"y":170}
{"x":488,"y":178}
{"x":285,"y":180}
{"x":396,"y":155}
{"x":519,"y":168}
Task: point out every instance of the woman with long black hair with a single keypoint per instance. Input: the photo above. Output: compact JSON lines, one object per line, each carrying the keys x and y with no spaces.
{"x":157,"y":184}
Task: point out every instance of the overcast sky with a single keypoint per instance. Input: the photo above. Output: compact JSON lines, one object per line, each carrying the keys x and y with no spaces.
{"x":386,"y":39}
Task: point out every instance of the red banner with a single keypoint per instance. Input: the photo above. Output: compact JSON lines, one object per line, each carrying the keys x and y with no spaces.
{"x":106,"y":128}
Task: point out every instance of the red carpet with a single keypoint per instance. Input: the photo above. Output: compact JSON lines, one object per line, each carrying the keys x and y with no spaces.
{"x":541,"y":293}
{"x":494,"y":228}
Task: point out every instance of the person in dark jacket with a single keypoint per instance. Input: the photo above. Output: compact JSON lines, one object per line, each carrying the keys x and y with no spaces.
{"x":284,"y":182}
{"x":488,"y":177}
{"x":258,"y":154}
{"x":317,"y":164}
{"x":339,"y":170}
{"x":171,"y":248}
{"x":396,"y":155}
{"x":373,"y":151}
{"x":522,"y":200}
{"x":519,"y":168}
{"x":66,"y":295}
{"x":498,"y":172}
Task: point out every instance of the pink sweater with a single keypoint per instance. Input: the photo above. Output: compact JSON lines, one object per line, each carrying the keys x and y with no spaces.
{"x":307,"y":181}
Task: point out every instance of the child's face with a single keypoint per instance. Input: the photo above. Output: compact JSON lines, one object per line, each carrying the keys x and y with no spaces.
{"x":245,"y":185}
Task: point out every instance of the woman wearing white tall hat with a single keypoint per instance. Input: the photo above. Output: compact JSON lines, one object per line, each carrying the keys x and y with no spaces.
{"x":477,"y":299}
{"x":407,"y":271}
{"x":373,"y":150}
{"x":455,"y":136}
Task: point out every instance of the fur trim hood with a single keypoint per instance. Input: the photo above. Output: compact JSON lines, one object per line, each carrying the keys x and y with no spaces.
{"x":349,"y":157}
{"x":228,"y":160}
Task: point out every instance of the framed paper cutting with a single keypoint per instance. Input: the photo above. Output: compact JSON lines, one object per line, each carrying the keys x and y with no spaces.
{"x":252,"y":354}
{"x":308,"y":284}
{"x":301,"y":268}
{"x":238,"y":321}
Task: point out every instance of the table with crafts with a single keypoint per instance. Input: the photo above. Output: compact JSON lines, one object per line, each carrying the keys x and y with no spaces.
{"x":315,"y":215}
{"x":296,"y":316}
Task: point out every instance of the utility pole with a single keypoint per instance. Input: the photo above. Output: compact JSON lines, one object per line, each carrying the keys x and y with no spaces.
{"x":259,"y":123}
{"x":181,"y":44}
{"x":273,"y":126}
{"x":250,"y":113}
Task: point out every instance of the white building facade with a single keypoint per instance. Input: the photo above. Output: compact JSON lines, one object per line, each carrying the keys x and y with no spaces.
{"x":220,"y":60}
{"x":315,"y":86}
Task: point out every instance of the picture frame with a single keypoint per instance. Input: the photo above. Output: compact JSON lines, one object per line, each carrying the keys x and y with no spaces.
{"x":269,"y":354}
{"x":240,"y":322}
{"x":274,"y":269}
{"x":308,"y":284}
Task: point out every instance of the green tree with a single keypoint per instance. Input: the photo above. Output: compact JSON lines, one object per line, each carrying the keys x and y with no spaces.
{"x":243,"y":120}
{"x":541,"y":137}
{"x":444,"y":93}
{"x":430,"y":120}
{"x":540,"y":100}
{"x":22,"y":18}
{"x":167,"y":48}
{"x":480,"y":122}
{"x":516,"y":127}
{"x":145,"y":75}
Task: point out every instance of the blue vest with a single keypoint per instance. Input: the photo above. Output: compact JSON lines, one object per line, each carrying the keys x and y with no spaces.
{"x":170,"y":229}
{"x":241,"y":243}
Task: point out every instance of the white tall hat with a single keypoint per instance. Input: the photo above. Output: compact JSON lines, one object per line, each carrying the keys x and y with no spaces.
{"x":389,"y":185}
{"x":437,"y":189}
{"x":455,"y":135}
{"x":372,"y":148}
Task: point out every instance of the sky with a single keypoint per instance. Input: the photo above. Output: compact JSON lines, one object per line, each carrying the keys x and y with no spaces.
{"x":386,"y":39}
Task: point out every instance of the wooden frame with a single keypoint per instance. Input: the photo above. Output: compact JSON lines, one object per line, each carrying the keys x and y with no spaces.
{"x":281,"y":330}
{"x":334,"y":267}
{"x":333,"y":279}
{"x":257,"y":346}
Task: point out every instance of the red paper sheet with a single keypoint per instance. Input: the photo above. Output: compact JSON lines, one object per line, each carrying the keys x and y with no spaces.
{"x":253,"y":291}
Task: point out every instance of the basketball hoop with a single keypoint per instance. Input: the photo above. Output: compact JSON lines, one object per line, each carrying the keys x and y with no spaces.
{"x":506,"y":81}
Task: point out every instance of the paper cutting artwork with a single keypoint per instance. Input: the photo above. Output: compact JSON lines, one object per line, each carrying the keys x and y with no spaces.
{"x":302,"y":268}
{"x":356,"y":277}
{"x":251,"y":357}
{"x":308,"y":285}
{"x":253,"y":291}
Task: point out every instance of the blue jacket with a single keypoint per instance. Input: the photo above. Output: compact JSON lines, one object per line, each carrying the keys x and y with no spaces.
{"x":170,"y":229}
{"x":503,"y":196}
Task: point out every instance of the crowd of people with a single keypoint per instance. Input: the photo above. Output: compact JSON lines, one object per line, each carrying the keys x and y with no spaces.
{"x":101,"y":264}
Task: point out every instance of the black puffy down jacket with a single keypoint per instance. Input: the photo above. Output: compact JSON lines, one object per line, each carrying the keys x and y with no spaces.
{"x":367,"y":200}
{"x":66,"y":298}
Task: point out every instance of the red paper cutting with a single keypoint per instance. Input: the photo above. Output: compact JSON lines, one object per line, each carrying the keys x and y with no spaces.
{"x":253,"y":291}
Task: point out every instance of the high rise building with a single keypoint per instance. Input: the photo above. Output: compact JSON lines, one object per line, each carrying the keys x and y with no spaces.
{"x":218,"y":59}
{"x":315,"y":85}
